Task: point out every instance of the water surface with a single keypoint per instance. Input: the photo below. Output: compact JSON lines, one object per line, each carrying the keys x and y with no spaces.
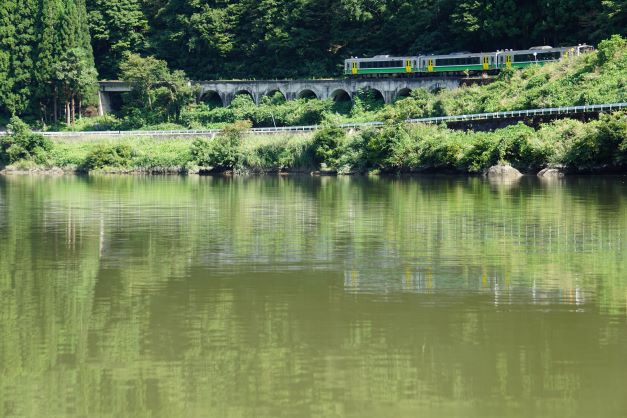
{"x":312,"y":297}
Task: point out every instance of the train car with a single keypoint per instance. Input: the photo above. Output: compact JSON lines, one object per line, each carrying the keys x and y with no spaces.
{"x":538,"y":55}
{"x":378,"y":65}
{"x":459,"y":62}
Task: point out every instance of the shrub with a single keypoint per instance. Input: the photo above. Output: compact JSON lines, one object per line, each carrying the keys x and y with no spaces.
{"x":482,"y":153}
{"x":520,"y":146}
{"x":599,"y":144}
{"x":108,"y":155}
{"x":612,"y":137}
{"x":327,"y":145}
{"x":22,"y":144}
{"x":611,"y":48}
{"x":222,"y":151}
{"x":439,"y":148}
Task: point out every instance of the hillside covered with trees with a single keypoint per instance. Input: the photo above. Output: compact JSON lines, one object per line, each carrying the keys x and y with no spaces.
{"x":52,"y":51}
{"x":211,"y":39}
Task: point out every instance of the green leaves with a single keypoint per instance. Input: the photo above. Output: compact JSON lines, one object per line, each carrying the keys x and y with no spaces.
{"x":155,"y":88}
{"x":222,"y":151}
{"x":117,"y":27}
{"x":22,"y":144}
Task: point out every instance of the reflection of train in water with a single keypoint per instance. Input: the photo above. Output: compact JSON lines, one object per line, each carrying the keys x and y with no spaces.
{"x":497,"y":285}
{"x":485,"y":62}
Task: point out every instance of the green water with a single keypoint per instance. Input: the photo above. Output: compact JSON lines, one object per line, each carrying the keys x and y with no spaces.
{"x":312,"y":297}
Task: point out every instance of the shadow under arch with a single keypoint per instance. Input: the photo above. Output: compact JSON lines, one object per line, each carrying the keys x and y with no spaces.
{"x":212,"y":98}
{"x":403,"y":93}
{"x":307,"y":94}
{"x":244,"y":92}
{"x":341,"y":95}
{"x":371,"y":98}
{"x":274,"y":94}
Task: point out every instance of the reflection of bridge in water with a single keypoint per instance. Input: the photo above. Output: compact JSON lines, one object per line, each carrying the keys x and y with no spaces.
{"x":223,"y":92}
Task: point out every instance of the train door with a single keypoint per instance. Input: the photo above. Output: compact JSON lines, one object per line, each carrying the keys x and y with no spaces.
{"x":486,"y":62}
{"x":508,"y":61}
{"x":430,"y":65}
{"x":408,"y":66}
{"x":354,"y":68}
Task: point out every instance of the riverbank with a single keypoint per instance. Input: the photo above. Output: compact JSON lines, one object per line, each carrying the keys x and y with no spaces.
{"x":396,"y":148}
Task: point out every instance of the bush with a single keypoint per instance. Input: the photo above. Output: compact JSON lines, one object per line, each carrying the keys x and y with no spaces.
{"x":22,"y":144}
{"x":222,"y":151}
{"x":327,"y":145}
{"x":520,"y":146}
{"x":599,"y":144}
{"x":108,"y":155}
{"x":439,"y":148}
{"x":482,"y":153}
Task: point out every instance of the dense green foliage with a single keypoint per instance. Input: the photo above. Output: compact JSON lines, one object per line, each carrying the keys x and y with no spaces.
{"x":220,"y":152}
{"x":292,"y":38}
{"x":158,"y":94}
{"x":22,"y":144}
{"x":569,"y":144}
{"x":46,"y":61}
{"x":108,"y":155}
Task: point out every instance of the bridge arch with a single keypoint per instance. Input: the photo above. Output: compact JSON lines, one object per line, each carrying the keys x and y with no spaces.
{"x":403,"y":93}
{"x":244,"y":92}
{"x":212,"y":98}
{"x":341,"y":95}
{"x":273,"y":92}
{"x":308,"y":94}
{"x":374,"y":98}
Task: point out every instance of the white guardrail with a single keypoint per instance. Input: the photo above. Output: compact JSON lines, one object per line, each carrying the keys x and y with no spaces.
{"x":295,"y":129}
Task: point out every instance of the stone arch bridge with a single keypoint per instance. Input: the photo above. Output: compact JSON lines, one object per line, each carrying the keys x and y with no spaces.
{"x":223,"y":92}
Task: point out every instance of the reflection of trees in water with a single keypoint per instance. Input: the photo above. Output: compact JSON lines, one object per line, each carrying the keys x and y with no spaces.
{"x":172,"y":294}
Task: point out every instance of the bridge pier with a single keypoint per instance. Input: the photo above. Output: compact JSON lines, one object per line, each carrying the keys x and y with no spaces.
{"x":104,"y":103}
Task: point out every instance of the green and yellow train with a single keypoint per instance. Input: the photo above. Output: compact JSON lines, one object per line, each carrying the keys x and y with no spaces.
{"x":461,"y":62}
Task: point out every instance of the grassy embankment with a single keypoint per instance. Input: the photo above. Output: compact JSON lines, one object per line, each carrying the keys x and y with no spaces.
{"x":572,"y":145}
{"x":397,"y":147}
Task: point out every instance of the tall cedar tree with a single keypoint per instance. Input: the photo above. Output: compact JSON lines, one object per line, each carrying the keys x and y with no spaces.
{"x":35,"y":37}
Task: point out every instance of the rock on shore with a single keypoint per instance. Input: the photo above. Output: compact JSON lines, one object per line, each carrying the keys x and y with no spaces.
{"x":504,"y":172}
{"x":550,"y":173}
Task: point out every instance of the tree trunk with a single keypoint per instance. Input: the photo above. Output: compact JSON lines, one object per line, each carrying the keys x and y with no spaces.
{"x":80,"y":108}
{"x":73,"y":107}
{"x":44,"y":113}
{"x":67,"y":112}
{"x":56,"y":109}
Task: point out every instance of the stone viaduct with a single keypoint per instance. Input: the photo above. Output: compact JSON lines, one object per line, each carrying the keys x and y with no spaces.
{"x":223,"y":92}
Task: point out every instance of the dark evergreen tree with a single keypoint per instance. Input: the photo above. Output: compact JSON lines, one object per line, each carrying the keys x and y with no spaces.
{"x":117,"y":27}
{"x":18,"y":38}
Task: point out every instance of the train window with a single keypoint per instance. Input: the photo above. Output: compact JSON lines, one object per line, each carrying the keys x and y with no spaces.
{"x":382,"y":64}
{"x":549,"y":56}
{"x":458,"y":61}
{"x":544,"y":56}
{"x":524,"y":57}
